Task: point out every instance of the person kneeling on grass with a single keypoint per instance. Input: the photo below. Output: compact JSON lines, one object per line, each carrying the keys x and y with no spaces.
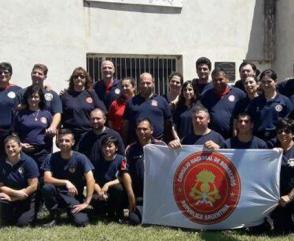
{"x":109,"y":197}
{"x":18,"y":184}
{"x":65,"y":174}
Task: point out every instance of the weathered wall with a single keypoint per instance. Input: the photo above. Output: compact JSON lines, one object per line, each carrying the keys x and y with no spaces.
{"x":60,"y":33}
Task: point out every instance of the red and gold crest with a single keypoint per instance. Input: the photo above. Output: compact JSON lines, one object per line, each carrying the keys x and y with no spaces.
{"x":206,"y":187}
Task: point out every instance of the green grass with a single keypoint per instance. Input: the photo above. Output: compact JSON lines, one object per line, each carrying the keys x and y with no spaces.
{"x":112,"y":231}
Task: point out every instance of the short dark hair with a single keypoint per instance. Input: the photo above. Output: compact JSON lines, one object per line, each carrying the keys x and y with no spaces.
{"x":199,"y":107}
{"x":6,"y":66}
{"x":144,"y":119}
{"x":244,"y":114}
{"x":109,"y":139}
{"x":253,"y":66}
{"x":43,"y":67}
{"x":65,"y":131}
{"x":285,"y":123}
{"x":203,"y":60}
{"x":217,"y":71}
{"x":176,"y":74}
{"x":269,"y":73}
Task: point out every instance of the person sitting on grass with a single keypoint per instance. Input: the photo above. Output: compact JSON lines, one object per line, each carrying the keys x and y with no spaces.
{"x":65,"y":174}
{"x":109,"y":197}
{"x":18,"y":185}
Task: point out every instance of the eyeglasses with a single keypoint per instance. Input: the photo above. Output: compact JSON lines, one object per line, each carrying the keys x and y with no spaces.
{"x":5,"y":72}
{"x":286,"y":131}
{"x":81,"y":76}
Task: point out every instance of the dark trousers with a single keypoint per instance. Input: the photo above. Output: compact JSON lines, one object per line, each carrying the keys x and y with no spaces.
{"x":20,"y":213}
{"x":56,"y":198}
{"x":282,"y":217}
{"x":117,"y":201}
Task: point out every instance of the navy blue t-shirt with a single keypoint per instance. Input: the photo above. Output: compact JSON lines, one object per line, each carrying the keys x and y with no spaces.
{"x":77,"y":107}
{"x":52,"y":100}
{"x":16,"y":176}
{"x":287,"y":172}
{"x":254,"y":143}
{"x":202,"y":88}
{"x":221,"y":109}
{"x":135,"y":165}
{"x":182,"y":117}
{"x":113,"y":93}
{"x":156,"y":109}
{"x":8,"y":103}
{"x":286,"y":87}
{"x":72,"y":169}
{"x":193,"y":139}
{"x":265,"y":114}
{"x":106,"y":171}
{"x":90,"y":143}
{"x":31,"y":126}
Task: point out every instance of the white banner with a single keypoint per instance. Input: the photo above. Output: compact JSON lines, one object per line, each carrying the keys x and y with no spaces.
{"x":193,"y":188}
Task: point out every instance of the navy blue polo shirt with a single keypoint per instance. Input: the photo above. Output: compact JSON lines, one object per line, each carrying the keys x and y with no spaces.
{"x":182,"y":117}
{"x":156,"y":109}
{"x":221,"y":109}
{"x":202,"y":88}
{"x":8,"y":103}
{"x":90,"y":143}
{"x":265,"y":114}
{"x":135,"y":165}
{"x":31,"y":126}
{"x":77,"y":107}
{"x":286,"y":87}
{"x":287,"y":172}
{"x":52,"y":100}
{"x":106,"y":171}
{"x":239,"y":84}
{"x":254,"y":143}
{"x":113,"y":93}
{"x":193,"y":139}
{"x":72,"y":169}
{"x":16,"y":176}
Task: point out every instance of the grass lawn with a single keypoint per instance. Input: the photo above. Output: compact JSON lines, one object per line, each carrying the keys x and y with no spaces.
{"x":107,"y":231}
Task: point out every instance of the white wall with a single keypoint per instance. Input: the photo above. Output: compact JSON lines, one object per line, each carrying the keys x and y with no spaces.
{"x":60,"y":33}
{"x":284,"y":60}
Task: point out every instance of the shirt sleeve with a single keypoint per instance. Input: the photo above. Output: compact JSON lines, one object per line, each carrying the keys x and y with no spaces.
{"x":31,"y":168}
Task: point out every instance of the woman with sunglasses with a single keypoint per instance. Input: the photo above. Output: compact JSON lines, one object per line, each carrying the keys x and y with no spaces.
{"x":283,"y":214}
{"x":78,"y":101}
{"x":18,"y":184}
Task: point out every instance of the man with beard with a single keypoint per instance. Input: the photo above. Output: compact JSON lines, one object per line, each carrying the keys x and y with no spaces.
{"x":90,"y":142}
{"x":147,"y":104}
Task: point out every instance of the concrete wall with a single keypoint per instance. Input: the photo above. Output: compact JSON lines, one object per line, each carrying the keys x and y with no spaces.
{"x":284,"y":60}
{"x":60,"y":33}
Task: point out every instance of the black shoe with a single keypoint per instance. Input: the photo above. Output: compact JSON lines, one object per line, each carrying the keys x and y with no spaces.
{"x":53,"y":220}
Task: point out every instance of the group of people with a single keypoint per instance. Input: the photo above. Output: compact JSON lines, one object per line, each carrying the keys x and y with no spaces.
{"x":102,"y":127}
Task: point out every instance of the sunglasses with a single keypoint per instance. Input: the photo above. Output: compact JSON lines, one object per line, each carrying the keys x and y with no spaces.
{"x":81,"y":76}
{"x":286,"y":131}
{"x":6,"y":72}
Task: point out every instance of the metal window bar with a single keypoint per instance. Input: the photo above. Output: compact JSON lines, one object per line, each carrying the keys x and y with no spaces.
{"x":133,"y":65}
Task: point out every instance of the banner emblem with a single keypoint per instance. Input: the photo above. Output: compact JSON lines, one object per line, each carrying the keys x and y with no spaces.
{"x":206,"y":187}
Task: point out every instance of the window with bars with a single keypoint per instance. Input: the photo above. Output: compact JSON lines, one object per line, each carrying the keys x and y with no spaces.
{"x":133,"y":65}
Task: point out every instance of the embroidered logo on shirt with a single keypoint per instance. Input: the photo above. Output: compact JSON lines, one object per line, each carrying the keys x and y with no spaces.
{"x":89,"y":100}
{"x":48,"y":97}
{"x":291,"y":162}
{"x":231,"y":98}
{"x":11,"y":95}
{"x":72,"y":169}
{"x":20,"y":170}
{"x":278,"y":108}
{"x":43,"y":120}
{"x":154,"y":103}
{"x":117,"y":91}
